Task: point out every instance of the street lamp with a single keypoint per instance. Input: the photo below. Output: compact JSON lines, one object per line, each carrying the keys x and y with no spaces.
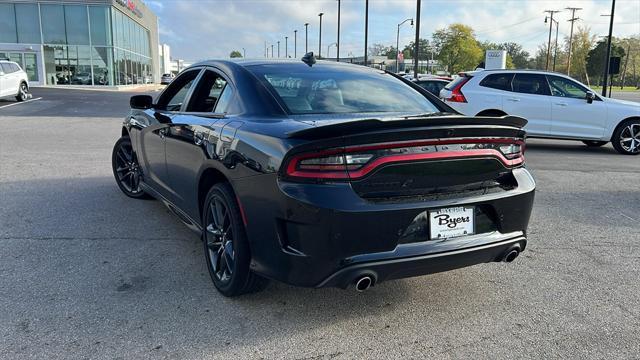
{"x":320,"y":37}
{"x":306,"y":38}
{"x":329,"y":47}
{"x":286,"y":47}
{"x":295,"y":43}
{"x":338,"y":40}
{"x":398,"y":43}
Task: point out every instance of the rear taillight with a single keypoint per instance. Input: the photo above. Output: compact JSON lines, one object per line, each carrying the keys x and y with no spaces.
{"x":456,"y":92}
{"x":355,"y":162}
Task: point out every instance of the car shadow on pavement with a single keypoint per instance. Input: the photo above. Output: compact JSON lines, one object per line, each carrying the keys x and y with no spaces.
{"x":569,"y":147}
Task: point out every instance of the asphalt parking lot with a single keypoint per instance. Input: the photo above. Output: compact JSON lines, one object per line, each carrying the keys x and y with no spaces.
{"x":87,"y":273}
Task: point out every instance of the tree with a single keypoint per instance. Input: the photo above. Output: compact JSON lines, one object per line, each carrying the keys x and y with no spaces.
{"x":424,"y":48}
{"x":457,"y":48}
{"x":519,"y":57}
{"x":596,"y":57}
{"x":235,"y":54}
{"x":583,"y":41}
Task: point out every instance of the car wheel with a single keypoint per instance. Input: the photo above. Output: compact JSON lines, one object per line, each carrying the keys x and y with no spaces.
{"x":126,"y":169}
{"x":226,"y":247}
{"x":23,"y":92}
{"x":594,"y":143}
{"x":626,"y":137}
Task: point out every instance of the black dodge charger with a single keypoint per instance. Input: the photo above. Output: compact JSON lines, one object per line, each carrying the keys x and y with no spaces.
{"x":325,"y":174}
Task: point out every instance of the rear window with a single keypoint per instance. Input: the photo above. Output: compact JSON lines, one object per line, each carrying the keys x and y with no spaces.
{"x":325,"y":90}
{"x":498,"y":81}
{"x":457,"y":81}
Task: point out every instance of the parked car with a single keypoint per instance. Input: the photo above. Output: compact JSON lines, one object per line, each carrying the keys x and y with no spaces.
{"x":555,"y":105}
{"x":83,"y":78}
{"x":325,"y":174}
{"x":433,"y":84}
{"x":13,"y":81}
{"x":166,"y":78}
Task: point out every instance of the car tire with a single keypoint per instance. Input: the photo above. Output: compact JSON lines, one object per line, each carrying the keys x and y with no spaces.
{"x":126,"y":169}
{"x":626,"y":137}
{"x":594,"y":143}
{"x":23,"y":92}
{"x":226,"y":247}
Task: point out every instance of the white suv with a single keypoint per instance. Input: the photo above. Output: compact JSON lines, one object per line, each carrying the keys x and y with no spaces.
{"x":555,"y":105}
{"x":13,"y":81}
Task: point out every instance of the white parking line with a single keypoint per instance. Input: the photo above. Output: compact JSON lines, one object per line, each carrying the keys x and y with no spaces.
{"x":18,"y":103}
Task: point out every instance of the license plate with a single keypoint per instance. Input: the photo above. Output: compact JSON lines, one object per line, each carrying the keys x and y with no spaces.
{"x":451,"y":222}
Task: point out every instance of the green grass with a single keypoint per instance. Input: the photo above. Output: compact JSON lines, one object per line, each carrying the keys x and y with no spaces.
{"x":617,"y":88}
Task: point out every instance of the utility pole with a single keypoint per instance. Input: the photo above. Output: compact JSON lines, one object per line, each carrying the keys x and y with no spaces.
{"x":295,"y":43}
{"x":606,"y":62}
{"x":320,"y":37}
{"x":551,"y":12}
{"x":555,"y":51}
{"x":416,"y":52}
{"x":338,"y":41}
{"x":306,"y":38}
{"x":286,"y":47}
{"x":366,"y":30}
{"x":572,"y":20}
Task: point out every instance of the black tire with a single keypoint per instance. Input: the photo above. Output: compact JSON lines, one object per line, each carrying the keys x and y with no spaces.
{"x":594,"y":143}
{"x":226,"y":248}
{"x":126,"y":169}
{"x":626,"y":137}
{"x":23,"y":92}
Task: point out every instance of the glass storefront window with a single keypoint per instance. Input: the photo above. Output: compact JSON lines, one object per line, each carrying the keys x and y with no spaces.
{"x":102,"y":59}
{"x":31,"y":66}
{"x":80,"y":65}
{"x":27,"y":20}
{"x":53,"y":31}
{"x":77,"y":24}
{"x":8,"y":32}
{"x":100,"y":20}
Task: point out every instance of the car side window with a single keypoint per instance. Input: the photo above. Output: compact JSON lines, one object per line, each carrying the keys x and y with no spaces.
{"x":175,"y":94}
{"x":566,"y":88}
{"x":212,"y":94}
{"x":5,"y":68}
{"x":531,"y":84}
{"x":14,"y":68}
{"x":498,"y":81}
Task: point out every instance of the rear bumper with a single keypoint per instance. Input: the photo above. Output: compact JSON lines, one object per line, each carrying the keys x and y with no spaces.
{"x":422,"y":265}
{"x":325,"y":235}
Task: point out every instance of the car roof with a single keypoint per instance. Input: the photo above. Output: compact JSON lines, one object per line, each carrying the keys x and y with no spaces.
{"x":246,"y":63}
{"x":522,"y":71}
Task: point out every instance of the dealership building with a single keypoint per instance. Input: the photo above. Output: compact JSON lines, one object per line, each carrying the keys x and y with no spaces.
{"x":74,"y":42}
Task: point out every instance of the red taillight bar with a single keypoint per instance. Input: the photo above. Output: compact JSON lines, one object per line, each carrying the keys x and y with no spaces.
{"x":456,"y":92}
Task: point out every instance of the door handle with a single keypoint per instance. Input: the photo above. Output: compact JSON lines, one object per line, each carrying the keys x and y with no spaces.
{"x":561,"y":104}
{"x":513,"y":99}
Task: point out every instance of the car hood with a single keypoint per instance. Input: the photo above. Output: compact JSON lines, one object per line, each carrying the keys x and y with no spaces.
{"x":633,"y":104}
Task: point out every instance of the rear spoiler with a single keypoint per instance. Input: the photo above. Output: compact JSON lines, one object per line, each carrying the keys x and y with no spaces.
{"x":369,"y":125}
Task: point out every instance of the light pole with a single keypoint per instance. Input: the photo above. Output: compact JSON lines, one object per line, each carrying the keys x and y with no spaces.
{"x":366,"y":29}
{"x":551,"y":12}
{"x":278,"y":48}
{"x":295,"y":43}
{"x":306,"y":38}
{"x":398,"y":43}
{"x":244,"y":53}
{"x":338,"y":41}
{"x":416,"y":49}
{"x":320,"y":37}
{"x":329,"y":47}
{"x":286,"y":47}
{"x":272,"y":50}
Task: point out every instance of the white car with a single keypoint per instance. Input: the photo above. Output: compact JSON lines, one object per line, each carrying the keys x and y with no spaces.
{"x":13,"y":81}
{"x":555,"y":105}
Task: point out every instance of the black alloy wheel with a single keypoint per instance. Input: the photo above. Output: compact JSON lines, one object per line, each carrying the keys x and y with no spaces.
{"x":626,"y":137}
{"x":126,"y":169}
{"x":594,"y":143}
{"x":225,"y":244}
{"x":23,"y":92}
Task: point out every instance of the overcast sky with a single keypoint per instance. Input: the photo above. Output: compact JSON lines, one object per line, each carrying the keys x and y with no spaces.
{"x":205,"y":29}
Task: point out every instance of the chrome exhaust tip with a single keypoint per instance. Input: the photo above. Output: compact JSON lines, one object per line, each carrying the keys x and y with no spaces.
{"x":364,"y":283}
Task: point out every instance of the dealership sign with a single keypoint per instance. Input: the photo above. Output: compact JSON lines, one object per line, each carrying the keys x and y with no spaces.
{"x":129,"y":4}
{"x":495,"y":59}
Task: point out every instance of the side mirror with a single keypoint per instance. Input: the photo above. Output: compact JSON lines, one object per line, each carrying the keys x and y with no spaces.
{"x":141,"y":102}
{"x":590,"y":97}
